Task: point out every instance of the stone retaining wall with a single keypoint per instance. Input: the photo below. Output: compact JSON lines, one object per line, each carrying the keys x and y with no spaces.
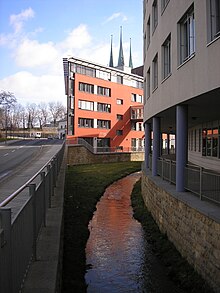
{"x":195,"y":234}
{"x":78,"y":155}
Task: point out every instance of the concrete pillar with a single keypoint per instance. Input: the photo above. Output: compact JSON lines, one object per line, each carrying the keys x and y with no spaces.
{"x":147,"y":129}
{"x":156,"y":144}
{"x":181,"y":145}
{"x":168,"y":143}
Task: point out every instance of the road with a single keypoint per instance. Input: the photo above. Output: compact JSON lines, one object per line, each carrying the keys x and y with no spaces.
{"x":20,"y":161}
{"x":16,"y":155}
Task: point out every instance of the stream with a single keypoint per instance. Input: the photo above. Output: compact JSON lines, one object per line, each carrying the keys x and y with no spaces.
{"x":118,"y":257}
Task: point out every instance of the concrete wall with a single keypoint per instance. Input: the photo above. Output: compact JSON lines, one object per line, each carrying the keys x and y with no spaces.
{"x":79,"y":155}
{"x":189,"y":223}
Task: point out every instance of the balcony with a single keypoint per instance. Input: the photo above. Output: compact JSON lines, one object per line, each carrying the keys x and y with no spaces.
{"x":137,"y":113}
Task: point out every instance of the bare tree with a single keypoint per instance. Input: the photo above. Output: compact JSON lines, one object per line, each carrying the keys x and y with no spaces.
{"x":7,"y":99}
{"x":32,"y":114}
{"x":43,"y":113}
{"x":57,"y":111}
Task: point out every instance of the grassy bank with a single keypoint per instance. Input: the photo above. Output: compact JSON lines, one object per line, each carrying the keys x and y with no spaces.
{"x":84,"y":186}
{"x":177,"y":268}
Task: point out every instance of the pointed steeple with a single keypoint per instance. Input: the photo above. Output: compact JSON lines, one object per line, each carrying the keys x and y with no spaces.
{"x":121,"y":55}
{"x":111,"y":55}
{"x":130,"y":57}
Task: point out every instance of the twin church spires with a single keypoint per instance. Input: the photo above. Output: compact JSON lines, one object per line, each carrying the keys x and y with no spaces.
{"x":121,"y":55}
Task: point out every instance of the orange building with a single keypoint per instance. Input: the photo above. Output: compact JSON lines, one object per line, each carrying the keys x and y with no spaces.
{"x":104,"y":104}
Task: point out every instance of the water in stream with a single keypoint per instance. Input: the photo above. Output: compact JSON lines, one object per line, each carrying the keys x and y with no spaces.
{"x":116,"y":252}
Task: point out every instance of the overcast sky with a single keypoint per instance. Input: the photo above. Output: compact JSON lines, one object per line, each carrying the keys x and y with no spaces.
{"x":36,"y":34}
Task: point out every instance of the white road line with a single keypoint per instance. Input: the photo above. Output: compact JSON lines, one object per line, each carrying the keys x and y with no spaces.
{"x":5,"y":154}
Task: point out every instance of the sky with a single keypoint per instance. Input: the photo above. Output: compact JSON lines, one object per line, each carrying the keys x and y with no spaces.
{"x":35,"y":35}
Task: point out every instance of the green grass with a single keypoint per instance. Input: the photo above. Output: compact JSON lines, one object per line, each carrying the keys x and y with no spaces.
{"x":84,"y":186}
{"x":178,"y":269}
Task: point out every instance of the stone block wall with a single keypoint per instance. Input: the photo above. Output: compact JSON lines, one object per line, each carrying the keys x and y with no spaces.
{"x":195,"y":234}
{"x":78,"y":155}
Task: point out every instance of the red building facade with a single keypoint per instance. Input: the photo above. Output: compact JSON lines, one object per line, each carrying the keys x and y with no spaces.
{"x":104,"y":105}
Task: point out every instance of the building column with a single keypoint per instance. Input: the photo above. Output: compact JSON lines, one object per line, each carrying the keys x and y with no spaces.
{"x":181,"y":145}
{"x":156,"y":144}
{"x":147,"y":130}
{"x":168,"y":143}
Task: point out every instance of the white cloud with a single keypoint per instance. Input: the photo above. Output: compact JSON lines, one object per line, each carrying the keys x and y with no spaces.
{"x":17,"y":20}
{"x":116,"y":15}
{"x":31,"y":53}
{"x":78,"y":38}
{"x":35,"y":89}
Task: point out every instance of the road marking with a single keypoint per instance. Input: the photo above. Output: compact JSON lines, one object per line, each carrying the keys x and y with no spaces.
{"x":13,"y":151}
{"x":5,"y":154}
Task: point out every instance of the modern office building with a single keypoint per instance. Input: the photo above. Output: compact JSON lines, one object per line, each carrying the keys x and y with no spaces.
{"x":182,"y":98}
{"x":182,"y":81}
{"x":104,"y":103}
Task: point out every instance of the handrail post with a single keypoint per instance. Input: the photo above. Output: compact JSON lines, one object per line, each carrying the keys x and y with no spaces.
{"x":6,"y":275}
{"x":32,"y":193}
{"x":42,"y":174}
{"x":49,"y":184}
{"x":170,"y":171}
{"x":200,"y":183}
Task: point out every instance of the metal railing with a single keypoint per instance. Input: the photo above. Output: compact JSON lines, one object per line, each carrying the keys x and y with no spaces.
{"x":94,"y":150}
{"x":202,"y":182}
{"x":18,"y":235}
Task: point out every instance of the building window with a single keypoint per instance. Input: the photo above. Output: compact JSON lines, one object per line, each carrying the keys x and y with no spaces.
{"x":195,"y":139}
{"x":101,"y":107}
{"x":136,"y":98}
{"x":148,"y":32}
{"x":155,"y":72}
{"x":103,"y":74}
{"x":119,"y":117}
{"x":164,"y":4}
{"x":103,"y":124}
{"x":119,"y":132}
{"x":210,"y":141}
{"x":145,"y":46}
{"x":119,"y":102}
{"x":200,"y":134}
{"x":166,"y":58}
{"x":85,"y":122}
{"x":213,"y":19}
{"x":85,"y":70}
{"x":86,"y":105}
{"x":120,"y":79}
{"x":104,"y":91}
{"x":85,"y":87}
{"x":186,"y":28}
{"x":148,"y":83}
{"x":154,"y":15}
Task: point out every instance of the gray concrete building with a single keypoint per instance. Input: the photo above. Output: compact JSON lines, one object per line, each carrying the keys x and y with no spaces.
{"x":181,"y":188}
{"x":182,"y":80}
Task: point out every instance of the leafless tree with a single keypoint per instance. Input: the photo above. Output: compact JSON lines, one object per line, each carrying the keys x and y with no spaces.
{"x":43,"y":113}
{"x":7,"y":99}
{"x":32,"y":114}
{"x":57,"y":111}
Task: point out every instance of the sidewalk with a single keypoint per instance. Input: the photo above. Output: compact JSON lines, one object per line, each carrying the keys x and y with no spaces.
{"x":45,"y":275}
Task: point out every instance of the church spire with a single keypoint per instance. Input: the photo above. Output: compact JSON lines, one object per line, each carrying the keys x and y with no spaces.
{"x":111,"y":55}
{"x":130,"y":57}
{"x":121,"y":55}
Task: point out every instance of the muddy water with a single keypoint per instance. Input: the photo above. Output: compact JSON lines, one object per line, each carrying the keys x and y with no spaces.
{"x":117,"y":254}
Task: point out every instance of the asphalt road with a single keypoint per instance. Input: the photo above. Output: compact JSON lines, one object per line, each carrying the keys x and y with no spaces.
{"x":17,"y":154}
